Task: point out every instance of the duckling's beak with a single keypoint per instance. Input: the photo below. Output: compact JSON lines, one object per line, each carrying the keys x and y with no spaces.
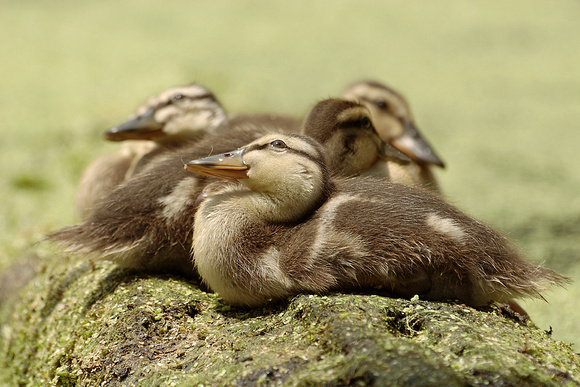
{"x":143,"y":127}
{"x":412,"y":144}
{"x":390,"y":152}
{"x":228,"y":166}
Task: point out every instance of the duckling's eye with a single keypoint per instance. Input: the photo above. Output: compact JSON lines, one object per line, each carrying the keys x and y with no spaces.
{"x":177,"y":97}
{"x":381,"y":103}
{"x":365,"y":122}
{"x":278,"y":144}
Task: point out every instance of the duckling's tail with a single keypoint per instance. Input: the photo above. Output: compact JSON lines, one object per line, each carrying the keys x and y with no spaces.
{"x":81,"y":240}
{"x":529,"y":281}
{"x":65,"y":239}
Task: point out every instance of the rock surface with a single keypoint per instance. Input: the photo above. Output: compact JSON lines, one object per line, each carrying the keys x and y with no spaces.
{"x":92,"y":324}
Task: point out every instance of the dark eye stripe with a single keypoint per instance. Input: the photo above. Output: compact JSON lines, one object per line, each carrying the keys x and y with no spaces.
{"x":364,"y":122}
{"x":316,"y":159}
{"x":308,"y":156}
{"x":181,"y":97}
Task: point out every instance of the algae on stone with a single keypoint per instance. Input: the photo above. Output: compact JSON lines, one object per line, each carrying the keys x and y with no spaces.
{"x":93,"y":324}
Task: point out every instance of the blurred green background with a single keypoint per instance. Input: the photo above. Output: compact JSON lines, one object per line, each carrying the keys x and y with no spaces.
{"x":494,"y":85}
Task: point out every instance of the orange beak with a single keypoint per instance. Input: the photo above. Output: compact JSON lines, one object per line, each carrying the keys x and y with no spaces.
{"x":228,"y":166}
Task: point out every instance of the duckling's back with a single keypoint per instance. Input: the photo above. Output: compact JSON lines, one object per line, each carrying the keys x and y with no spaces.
{"x":409,"y":241}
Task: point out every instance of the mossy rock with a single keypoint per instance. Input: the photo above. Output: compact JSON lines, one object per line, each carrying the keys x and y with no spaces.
{"x":94,"y":324}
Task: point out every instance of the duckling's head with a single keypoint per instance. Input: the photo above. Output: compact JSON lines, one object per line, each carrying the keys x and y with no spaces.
{"x":345,"y":130}
{"x":393,"y":120}
{"x":176,"y":115}
{"x":286,"y":169}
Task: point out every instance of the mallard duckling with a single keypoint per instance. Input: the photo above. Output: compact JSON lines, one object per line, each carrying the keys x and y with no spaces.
{"x":394,"y":122}
{"x":145,"y":223}
{"x":289,"y":228}
{"x":174,"y":117}
{"x":351,"y":142}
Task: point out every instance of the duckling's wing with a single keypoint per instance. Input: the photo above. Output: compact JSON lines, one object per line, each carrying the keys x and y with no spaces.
{"x":144,"y":219}
{"x":100,"y":178}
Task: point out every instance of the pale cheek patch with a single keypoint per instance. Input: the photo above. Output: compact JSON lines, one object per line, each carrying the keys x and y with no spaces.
{"x":165,"y":114}
{"x":446,"y":226}
{"x":174,"y":203}
{"x":197,"y":119}
{"x":309,"y":177}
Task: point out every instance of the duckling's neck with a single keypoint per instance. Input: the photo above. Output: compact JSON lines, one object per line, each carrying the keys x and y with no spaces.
{"x":233,"y":230}
{"x":285,"y":203}
{"x":218,"y":242}
{"x":228,"y":235}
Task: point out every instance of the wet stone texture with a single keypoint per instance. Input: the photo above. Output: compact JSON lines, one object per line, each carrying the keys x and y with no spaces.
{"x":92,"y":324}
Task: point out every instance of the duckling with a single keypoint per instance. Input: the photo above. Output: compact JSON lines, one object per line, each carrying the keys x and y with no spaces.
{"x":178,"y":114}
{"x":394,"y":122}
{"x":351,"y":142}
{"x":284,"y":226}
{"x":145,"y":223}
{"x":182,"y":115}
{"x":174,"y":117}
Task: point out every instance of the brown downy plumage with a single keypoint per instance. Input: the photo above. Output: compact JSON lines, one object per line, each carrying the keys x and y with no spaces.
{"x":290,"y":228}
{"x":146,"y":222}
{"x":182,"y":115}
{"x":169,"y":119}
{"x":394,"y":122}
{"x":352,"y":144}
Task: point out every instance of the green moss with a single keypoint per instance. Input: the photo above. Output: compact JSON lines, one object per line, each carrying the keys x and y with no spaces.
{"x":89,"y":324}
